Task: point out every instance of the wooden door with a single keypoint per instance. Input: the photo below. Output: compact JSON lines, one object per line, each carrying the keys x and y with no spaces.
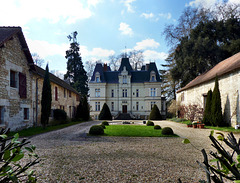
{"x":124,"y":109}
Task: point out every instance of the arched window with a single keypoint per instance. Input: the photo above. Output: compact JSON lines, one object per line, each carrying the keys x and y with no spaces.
{"x":97,"y":77}
{"x":152,"y":76}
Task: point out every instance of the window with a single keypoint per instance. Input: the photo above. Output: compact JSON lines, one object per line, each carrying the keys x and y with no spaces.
{"x":97,"y":77}
{"x":97,"y":106}
{"x":1,"y":114}
{"x":56,"y":93}
{"x":13,"y":79}
{"x":124,"y":79}
{"x":152,"y":104}
{"x":152,"y":76}
{"x":26,"y":113}
{"x":112,"y":93}
{"x":22,"y":85}
{"x":77,"y":97}
{"x":97,"y":92}
{"x":112,"y":108}
{"x":70,"y":93}
{"x":137,"y":106}
{"x":124,"y":93}
{"x":153,"y":92}
{"x":137,"y":93}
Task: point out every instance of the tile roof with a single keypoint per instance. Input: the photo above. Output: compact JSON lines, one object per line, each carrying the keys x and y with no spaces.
{"x":137,"y":76}
{"x":6,"y":34}
{"x":41,"y":72}
{"x":226,"y":66}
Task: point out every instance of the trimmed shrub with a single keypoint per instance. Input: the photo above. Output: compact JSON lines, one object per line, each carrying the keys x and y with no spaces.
{"x":103,"y":126}
{"x":150,"y":123}
{"x":96,"y":130}
{"x":155,"y":113}
{"x":59,"y":115}
{"x":167,"y":131}
{"x":105,"y":123}
{"x":105,"y":113}
{"x":157,"y":127}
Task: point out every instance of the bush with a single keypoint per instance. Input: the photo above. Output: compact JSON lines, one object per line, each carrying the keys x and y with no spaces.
{"x":59,"y":115}
{"x":105,"y":113}
{"x":96,"y":130}
{"x":167,"y":131}
{"x":150,"y":123}
{"x":155,"y":113}
{"x":157,"y":127}
{"x":105,"y":123}
{"x":103,"y":126}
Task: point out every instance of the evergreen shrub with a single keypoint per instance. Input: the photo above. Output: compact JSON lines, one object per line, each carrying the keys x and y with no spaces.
{"x":167,"y":131}
{"x":150,"y":123}
{"x":105,"y":123}
{"x":59,"y":115}
{"x":157,"y":127}
{"x":155,"y":113}
{"x":105,"y":113}
{"x":96,"y":130}
{"x":103,"y":126}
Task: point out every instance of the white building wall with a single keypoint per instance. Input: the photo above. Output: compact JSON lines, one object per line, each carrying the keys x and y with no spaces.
{"x":229,"y":86}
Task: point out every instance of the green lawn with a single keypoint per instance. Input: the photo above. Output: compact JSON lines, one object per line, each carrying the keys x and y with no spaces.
{"x":133,"y":131}
{"x":38,"y":130}
{"x":224,"y":129}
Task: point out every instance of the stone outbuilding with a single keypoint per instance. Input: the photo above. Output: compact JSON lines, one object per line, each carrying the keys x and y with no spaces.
{"x":21,"y":84}
{"x":228,"y":72}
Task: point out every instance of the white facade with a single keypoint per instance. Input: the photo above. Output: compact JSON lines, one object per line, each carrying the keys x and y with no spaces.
{"x":125,"y":95}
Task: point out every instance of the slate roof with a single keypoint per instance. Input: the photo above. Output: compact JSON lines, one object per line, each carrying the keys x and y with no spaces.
{"x":226,"y":66}
{"x":137,"y":76}
{"x":41,"y":72}
{"x":6,"y":33}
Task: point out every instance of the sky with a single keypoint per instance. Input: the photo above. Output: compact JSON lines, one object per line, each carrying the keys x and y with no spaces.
{"x":105,"y":27}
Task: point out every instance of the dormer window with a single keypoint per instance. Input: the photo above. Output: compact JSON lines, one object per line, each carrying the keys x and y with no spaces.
{"x":97,"y":77}
{"x":124,"y":79}
{"x":152,"y":76}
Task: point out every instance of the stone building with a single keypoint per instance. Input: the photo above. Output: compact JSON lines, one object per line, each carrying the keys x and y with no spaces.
{"x":21,"y":81}
{"x":128,"y":93}
{"x":228,"y":72}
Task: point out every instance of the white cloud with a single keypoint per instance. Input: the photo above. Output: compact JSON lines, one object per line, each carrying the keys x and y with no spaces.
{"x":147,"y":43}
{"x":165,"y":15}
{"x":147,"y":16}
{"x":154,"y":55}
{"x":53,"y":11}
{"x":125,"y":29}
{"x":128,"y":4}
{"x":44,"y":48}
{"x":203,"y":3}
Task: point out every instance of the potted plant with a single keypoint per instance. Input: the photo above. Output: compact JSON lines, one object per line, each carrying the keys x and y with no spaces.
{"x":200,"y":125}
{"x":189,"y":125}
{"x":194,"y":124}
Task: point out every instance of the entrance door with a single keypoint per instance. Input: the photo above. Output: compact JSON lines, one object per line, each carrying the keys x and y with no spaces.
{"x":124,"y":109}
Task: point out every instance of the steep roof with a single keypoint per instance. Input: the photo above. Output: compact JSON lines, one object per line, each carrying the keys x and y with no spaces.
{"x":41,"y":72}
{"x":226,"y":66}
{"x":6,"y":33}
{"x":137,"y":76}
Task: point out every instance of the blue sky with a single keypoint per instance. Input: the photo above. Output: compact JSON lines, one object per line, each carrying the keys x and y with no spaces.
{"x":104,"y":27}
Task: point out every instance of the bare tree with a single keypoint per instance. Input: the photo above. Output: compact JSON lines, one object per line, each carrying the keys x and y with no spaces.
{"x":136,"y":59}
{"x":37,"y":60}
{"x":89,"y":66}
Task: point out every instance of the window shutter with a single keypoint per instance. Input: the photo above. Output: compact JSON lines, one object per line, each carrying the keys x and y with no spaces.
{"x":22,"y":85}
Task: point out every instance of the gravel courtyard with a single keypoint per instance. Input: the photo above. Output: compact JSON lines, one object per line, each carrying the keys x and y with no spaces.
{"x":69,"y":155}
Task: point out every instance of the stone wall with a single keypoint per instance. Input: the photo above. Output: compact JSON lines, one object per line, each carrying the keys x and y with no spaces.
{"x":13,"y":58}
{"x":229,"y":86}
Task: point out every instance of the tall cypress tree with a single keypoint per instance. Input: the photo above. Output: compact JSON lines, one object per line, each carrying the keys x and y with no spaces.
{"x":46,"y":99}
{"x":207,"y":120}
{"x":216,"y":108}
{"x":76,"y":74}
{"x":105,"y":113}
{"x":155,"y":113}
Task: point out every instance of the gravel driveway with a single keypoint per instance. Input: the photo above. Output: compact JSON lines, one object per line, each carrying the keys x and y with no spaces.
{"x":69,"y":155}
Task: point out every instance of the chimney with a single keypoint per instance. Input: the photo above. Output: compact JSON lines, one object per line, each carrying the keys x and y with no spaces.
{"x":105,"y":68}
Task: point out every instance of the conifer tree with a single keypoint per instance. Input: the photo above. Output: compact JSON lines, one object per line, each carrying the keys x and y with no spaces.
{"x":83,"y":112}
{"x":216,"y":108}
{"x":207,"y":112}
{"x":155,"y":113}
{"x":76,"y":74}
{"x":46,"y":99}
{"x":105,"y":113}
